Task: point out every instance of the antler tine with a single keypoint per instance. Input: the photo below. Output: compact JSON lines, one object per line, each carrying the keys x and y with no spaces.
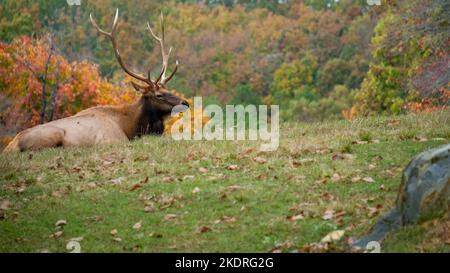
{"x":112,"y":36}
{"x":165,"y":56}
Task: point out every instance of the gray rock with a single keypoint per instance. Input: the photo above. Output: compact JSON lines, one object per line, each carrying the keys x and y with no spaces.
{"x":425,"y":188}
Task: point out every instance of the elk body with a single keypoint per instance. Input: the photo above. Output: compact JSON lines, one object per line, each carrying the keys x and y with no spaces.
{"x":110,"y":124}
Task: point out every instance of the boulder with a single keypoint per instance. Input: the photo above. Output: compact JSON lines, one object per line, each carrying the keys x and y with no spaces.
{"x":425,"y":189}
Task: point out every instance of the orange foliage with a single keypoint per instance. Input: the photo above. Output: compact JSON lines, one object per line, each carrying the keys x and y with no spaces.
{"x":75,"y":86}
{"x":430,"y":105}
{"x":350,"y":113}
{"x":168,"y":123}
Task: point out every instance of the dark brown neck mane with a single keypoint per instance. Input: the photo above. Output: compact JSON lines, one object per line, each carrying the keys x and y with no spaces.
{"x":150,"y":120}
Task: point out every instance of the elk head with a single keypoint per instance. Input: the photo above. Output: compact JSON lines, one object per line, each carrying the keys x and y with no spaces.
{"x":154,"y":92}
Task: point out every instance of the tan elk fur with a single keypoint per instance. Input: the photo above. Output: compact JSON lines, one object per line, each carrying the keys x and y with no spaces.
{"x":108,"y":124}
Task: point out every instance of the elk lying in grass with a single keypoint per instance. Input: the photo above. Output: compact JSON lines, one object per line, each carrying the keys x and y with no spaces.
{"x":110,"y":124}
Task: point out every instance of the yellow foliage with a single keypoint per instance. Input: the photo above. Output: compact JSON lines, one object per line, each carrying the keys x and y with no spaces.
{"x":168,"y":123}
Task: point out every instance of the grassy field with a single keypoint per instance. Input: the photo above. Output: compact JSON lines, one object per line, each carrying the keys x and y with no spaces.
{"x":159,"y":195}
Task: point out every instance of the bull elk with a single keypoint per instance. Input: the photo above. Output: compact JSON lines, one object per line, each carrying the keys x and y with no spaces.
{"x":110,"y":124}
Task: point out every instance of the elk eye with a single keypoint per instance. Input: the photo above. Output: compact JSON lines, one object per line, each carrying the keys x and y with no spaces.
{"x":159,"y":96}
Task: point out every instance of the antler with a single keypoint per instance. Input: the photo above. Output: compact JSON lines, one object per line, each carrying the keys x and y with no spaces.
{"x":162,"y":79}
{"x":112,"y":36}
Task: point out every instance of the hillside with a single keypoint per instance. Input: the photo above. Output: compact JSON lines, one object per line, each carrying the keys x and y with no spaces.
{"x":158,"y":195}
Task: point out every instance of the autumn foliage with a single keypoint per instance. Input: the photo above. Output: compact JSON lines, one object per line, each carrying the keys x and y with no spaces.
{"x":70,"y":86}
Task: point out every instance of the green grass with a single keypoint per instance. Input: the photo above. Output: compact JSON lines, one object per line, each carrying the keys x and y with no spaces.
{"x":301,"y":177}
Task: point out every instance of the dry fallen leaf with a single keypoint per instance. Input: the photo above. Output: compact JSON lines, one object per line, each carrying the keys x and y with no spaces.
{"x":234,"y":188}
{"x":203,"y":229}
{"x":117,"y":239}
{"x":302,"y":162}
{"x":203,"y":170}
{"x":56,"y":234}
{"x":232,"y":167}
{"x":76,"y":239}
{"x":60,"y":223}
{"x":360,"y":142}
{"x":135,"y":187}
{"x":368,"y":179}
{"x":168,"y":179}
{"x":188,"y":177}
{"x":333,"y":236}
{"x":91,"y":185}
{"x":260,"y":160}
{"x":113,"y":232}
{"x":356,"y":179}
{"x":137,"y":226}
{"x":296,"y":217}
{"x":170,"y":217}
{"x":336,"y":177}
{"x":328,"y":215}
{"x":196,"y":190}
{"x":374,"y":211}
{"x":117,"y":181}
{"x":342,"y":156}
{"x":5,"y":204}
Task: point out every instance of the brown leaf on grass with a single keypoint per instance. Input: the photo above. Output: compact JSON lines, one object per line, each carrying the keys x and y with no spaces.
{"x":165,"y":201}
{"x":5,"y":204}
{"x":113,"y":232}
{"x":323,"y":151}
{"x":234,"y":187}
{"x":232,"y":167}
{"x":248,"y":151}
{"x":282,"y":246}
{"x":368,"y":179}
{"x":261,"y":176}
{"x":302,"y":162}
{"x":188,"y":177}
{"x":296,"y":217}
{"x":382,"y":187}
{"x":225,"y":219}
{"x":360,"y":142}
{"x":203,"y":170}
{"x":142,"y":158}
{"x":377,"y":158}
{"x":203,"y":229}
{"x":333,"y":236}
{"x":342,"y":157}
{"x":336,"y":177}
{"x":168,"y":179}
{"x":326,"y":197}
{"x":374,"y":211}
{"x":169,"y":217}
{"x":321,"y":181}
{"x":60,"y":223}
{"x":150,"y":207}
{"x":394,"y":122}
{"x":196,"y":190}
{"x":356,"y":179}
{"x":135,"y":187}
{"x":137,"y":226}
{"x":91,"y":185}
{"x":328,"y":215}
{"x":223,"y":195}
{"x":56,"y":234}
{"x":117,"y":239}
{"x":117,"y":181}
{"x":260,"y":160}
